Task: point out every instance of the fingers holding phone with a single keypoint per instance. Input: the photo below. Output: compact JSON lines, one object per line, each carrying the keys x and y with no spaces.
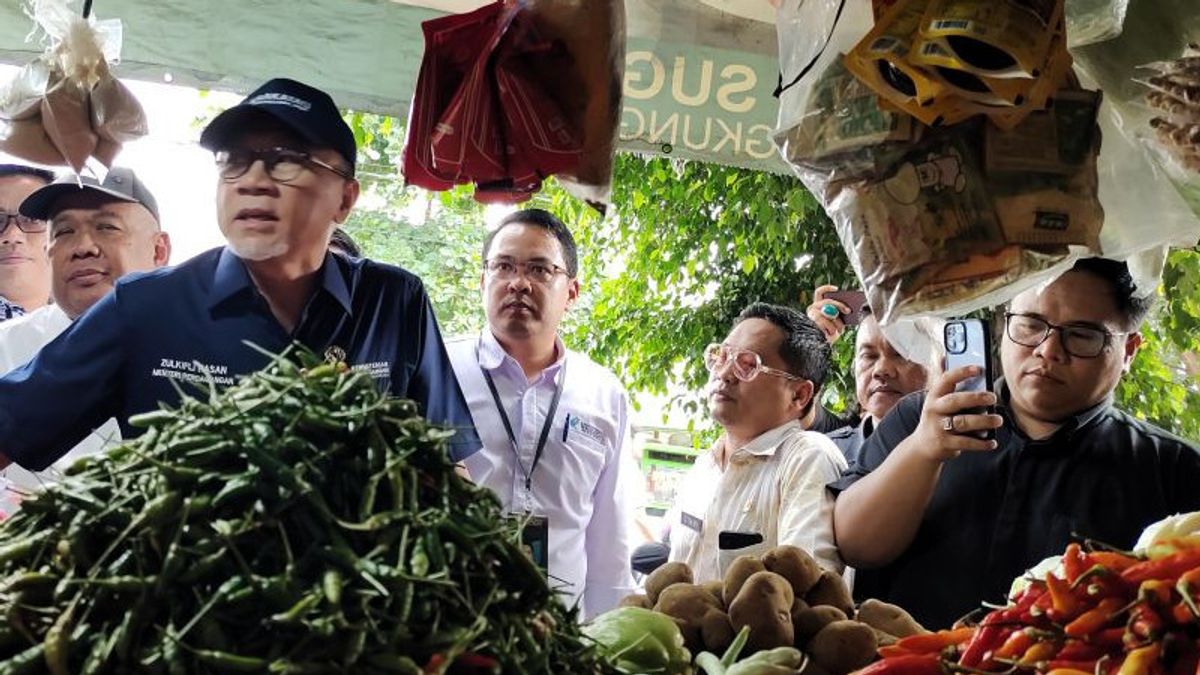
{"x":833,"y":310}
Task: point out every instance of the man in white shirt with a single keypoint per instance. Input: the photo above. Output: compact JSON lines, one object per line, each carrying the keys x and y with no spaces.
{"x":555,"y":425}
{"x":763,"y":483}
{"x":98,"y":232}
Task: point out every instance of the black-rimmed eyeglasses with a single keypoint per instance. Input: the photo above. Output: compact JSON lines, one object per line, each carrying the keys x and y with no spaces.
{"x":1083,"y":342}
{"x":23,"y":223}
{"x":283,"y":165}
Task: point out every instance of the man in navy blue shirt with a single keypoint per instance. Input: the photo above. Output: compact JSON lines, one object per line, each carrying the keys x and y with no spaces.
{"x":286,"y":164}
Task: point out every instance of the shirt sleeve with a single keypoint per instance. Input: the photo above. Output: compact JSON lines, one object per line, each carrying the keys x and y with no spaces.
{"x":896,"y":426}
{"x":607,"y":539}
{"x":71,"y":387}
{"x":434,"y":386}
{"x":805,"y":505}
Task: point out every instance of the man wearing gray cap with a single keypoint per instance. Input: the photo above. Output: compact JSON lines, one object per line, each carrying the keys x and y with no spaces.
{"x":99,"y":231}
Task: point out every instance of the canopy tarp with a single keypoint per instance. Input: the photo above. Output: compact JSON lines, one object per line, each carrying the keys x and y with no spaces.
{"x":698,"y":82}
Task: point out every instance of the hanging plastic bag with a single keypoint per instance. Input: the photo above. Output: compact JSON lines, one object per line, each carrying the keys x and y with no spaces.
{"x":935,"y":221}
{"x":517,"y":91}
{"x":66,"y":106}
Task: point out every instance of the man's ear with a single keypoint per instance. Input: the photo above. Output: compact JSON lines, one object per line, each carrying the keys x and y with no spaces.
{"x":572,"y":292}
{"x":162,"y":249}
{"x":802,"y":395}
{"x":1133,"y":342}
{"x":350,"y":190}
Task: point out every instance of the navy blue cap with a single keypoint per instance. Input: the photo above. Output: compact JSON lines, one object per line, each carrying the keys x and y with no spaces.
{"x":305,"y":110}
{"x":120,"y":183}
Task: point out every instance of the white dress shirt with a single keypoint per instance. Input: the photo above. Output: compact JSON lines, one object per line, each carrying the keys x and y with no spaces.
{"x":20,"y":340}
{"x":773,"y":486}
{"x":582,"y":484}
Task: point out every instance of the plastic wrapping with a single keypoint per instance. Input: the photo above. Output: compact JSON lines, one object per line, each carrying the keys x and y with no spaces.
{"x":936,"y":221}
{"x":66,"y":106}
{"x":517,"y":91}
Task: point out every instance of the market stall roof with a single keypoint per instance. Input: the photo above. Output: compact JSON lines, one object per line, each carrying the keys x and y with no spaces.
{"x":698,"y":82}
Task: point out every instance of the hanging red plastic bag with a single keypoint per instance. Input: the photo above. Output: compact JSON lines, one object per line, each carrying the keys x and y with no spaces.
{"x":515,"y":92}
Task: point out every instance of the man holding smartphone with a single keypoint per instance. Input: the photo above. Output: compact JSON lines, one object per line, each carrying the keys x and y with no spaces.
{"x":763,"y":483}
{"x":937,"y":519}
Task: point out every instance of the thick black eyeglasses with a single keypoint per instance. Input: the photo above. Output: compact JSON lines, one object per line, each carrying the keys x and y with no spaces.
{"x":23,"y":223}
{"x":1083,"y":342}
{"x":283,"y":165}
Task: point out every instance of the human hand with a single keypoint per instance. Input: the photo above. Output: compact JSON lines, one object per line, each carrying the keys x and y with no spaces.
{"x":828,"y":320}
{"x":945,"y":431}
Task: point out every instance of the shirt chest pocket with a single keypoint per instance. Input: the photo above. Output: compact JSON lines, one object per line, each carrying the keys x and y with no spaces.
{"x":589,"y":445}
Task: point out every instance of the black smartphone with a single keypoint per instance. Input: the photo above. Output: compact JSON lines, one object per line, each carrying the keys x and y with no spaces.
{"x":855,"y":300}
{"x":732,"y":541}
{"x":968,"y":343}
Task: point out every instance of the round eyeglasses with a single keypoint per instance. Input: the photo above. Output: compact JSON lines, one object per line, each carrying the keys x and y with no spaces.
{"x":746,"y":364}
{"x":24,"y":223}
{"x":505,"y":269}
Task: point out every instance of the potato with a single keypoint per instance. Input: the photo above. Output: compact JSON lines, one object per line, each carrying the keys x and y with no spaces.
{"x":635,"y":600}
{"x":810,"y":620}
{"x":798,"y":604}
{"x":739,"y":570}
{"x":716,"y":631}
{"x":764,"y":604}
{"x":831,"y":590}
{"x":665,"y":575}
{"x":717,"y":589}
{"x":687,"y":604}
{"x":843,"y":647}
{"x":884,"y":639}
{"x":795,"y":565}
{"x":889,"y":618}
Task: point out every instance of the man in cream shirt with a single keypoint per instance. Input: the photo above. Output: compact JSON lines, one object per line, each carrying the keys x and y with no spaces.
{"x":763,"y":483}
{"x":99,"y":231}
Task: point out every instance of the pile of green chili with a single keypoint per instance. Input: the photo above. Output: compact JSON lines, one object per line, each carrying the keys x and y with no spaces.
{"x":298,"y":522}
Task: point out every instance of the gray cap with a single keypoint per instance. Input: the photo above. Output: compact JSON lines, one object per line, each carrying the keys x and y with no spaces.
{"x":120,"y":183}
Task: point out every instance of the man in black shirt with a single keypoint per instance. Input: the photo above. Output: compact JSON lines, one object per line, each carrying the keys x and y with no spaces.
{"x":938,"y":520}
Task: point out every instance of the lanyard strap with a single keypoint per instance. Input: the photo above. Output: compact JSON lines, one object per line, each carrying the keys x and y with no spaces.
{"x":545,"y":435}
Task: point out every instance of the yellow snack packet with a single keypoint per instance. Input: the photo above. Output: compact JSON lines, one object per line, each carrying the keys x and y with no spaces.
{"x":880,"y":58}
{"x":996,"y":38}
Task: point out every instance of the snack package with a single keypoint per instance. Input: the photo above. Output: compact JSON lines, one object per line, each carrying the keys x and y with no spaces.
{"x":995,"y":38}
{"x":1174,"y":98}
{"x":881,"y":59}
{"x":66,"y":106}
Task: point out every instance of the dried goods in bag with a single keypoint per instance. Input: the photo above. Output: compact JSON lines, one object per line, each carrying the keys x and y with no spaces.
{"x":66,"y":106}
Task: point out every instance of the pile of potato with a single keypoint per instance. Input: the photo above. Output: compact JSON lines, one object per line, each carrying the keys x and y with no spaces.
{"x":787,"y":600}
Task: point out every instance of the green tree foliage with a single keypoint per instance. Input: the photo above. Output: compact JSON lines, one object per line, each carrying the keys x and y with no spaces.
{"x":685,"y":247}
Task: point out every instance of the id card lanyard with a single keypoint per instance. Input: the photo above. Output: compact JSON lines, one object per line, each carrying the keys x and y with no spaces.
{"x":546,"y":426}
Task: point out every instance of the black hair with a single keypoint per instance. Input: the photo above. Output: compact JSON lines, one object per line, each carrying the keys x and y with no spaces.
{"x":804,"y":348}
{"x":545,"y":220}
{"x":23,"y":170}
{"x":341,"y":240}
{"x":1124,"y":292}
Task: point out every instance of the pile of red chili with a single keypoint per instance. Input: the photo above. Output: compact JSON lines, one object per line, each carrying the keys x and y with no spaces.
{"x":1109,"y":613}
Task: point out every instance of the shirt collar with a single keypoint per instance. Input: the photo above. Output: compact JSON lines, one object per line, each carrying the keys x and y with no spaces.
{"x":231,"y":278}
{"x":766,"y":443}
{"x":1069,"y":426}
{"x":492,"y":354}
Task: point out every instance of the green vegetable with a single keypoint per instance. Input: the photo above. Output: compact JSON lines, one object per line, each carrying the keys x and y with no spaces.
{"x":640,"y":640}
{"x":298,"y":522}
{"x":778,"y":661}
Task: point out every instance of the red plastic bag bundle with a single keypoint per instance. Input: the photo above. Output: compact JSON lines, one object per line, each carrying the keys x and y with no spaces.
{"x":517,"y":91}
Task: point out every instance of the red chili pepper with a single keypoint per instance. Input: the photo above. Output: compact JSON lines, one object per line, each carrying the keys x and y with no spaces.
{"x":1170,"y":567}
{"x":1157,"y":591}
{"x":471,"y":663}
{"x":909,"y":664}
{"x":1038,"y":653}
{"x":1094,"y":619}
{"x":1109,"y":637}
{"x":1085,"y":666}
{"x":1145,"y":625}
{"x":891,"y":652}
{"x":991,"y":634}
{"x":1114,"y":561}
{"x":1014,"y":646}
{"x":1141,"y":661}
{"x":936,"y":642}
{"x":1074,"y":564}
{"x":1076,"y":650}
{"x":1187,"y":581}
{"x":1064,"y":605}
